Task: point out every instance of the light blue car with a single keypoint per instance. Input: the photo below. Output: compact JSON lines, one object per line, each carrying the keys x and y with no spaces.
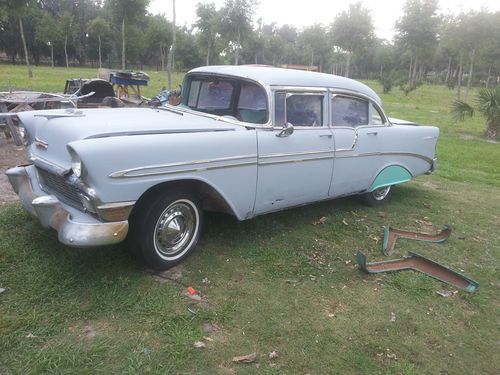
{"x":245,"y":140}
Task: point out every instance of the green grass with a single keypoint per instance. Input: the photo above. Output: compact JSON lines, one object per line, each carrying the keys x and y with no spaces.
{"x":275,"y":283}
{"x":53,"y":79}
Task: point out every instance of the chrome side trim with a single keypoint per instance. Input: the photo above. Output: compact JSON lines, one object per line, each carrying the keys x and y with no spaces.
{"x":127,"y":172}
{"x":423,"y":157}
{"x":295,"y":154}
{"x":159,"y":132}
{"x":189,"y":170}
{"x":304,"y":89}
{"x":295,"y":160}
{"x":354,"y":142}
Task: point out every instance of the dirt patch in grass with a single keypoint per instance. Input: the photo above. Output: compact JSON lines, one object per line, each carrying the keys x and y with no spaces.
{"x":10,"y":155}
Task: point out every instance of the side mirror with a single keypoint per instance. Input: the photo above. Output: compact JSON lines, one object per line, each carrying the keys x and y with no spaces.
{"x":286,"y":131}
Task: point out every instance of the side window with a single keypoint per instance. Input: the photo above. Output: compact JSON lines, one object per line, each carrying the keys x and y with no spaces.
{"x":279,"y":109}
{"x":376,"y":117}
{"x":194,"y":91}
{"x":348,"y":111}
{"x":252,"y":103}
{"x":304,"y":110}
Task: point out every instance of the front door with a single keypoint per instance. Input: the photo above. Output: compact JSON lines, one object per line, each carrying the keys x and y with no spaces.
{"x":295,"y":168}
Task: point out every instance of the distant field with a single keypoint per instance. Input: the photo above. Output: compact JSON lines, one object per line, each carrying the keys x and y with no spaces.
{"x":276,"y":282}
{"x":53,"y":79}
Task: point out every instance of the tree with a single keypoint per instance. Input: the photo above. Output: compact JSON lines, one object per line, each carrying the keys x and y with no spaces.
{"x":171,"y":52}
{"x":48,"y":32}
{"x":475,"y":34}
{"x":66,"y":25}
{"x":313,"y":42}
{"x":126,"y":11}
{"x":352,"y":31}
{"x":236,"y":23}
{"x":17,"y":9}
{"x":416,"y":32}
{"x":158,"y":35}
{"x":100,"y":27}
{"x":487,"y":104}
{"x":208,"y":25}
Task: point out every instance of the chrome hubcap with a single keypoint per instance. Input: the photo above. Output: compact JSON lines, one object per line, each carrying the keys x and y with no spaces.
{"x":175,"y":228}
{"x":381,"y":193}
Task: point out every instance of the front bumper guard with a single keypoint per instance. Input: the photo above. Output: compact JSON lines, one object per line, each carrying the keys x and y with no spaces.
{"x":74,"y":227}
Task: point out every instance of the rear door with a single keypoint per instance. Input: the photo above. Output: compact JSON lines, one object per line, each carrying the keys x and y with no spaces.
{"x":359,"y":128}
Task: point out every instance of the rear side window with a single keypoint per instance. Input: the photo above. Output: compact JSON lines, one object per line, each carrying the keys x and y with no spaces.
{"x":304,"y":110}
{"x":347,"y":111}
{"x":376,"y":116}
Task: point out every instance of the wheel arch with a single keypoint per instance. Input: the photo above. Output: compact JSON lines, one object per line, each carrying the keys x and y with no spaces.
{"x":392,"y":174}
{"x":211,"y":199}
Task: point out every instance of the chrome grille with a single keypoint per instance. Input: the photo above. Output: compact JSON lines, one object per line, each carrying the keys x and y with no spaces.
{"x":58,"y":186}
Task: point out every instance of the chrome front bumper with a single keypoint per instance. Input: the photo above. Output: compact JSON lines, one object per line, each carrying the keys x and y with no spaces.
{"x":74,"y":228}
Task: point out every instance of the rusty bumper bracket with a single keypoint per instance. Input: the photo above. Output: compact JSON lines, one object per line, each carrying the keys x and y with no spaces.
{"x":419,"y":263}
{"x":392,"y":234}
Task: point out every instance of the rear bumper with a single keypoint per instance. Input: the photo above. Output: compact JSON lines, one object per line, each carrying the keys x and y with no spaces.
{"x":433,"y":166}
{"x":74,"y":228}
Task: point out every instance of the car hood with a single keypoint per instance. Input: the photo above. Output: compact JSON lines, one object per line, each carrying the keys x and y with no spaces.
{"x":51,"y":131}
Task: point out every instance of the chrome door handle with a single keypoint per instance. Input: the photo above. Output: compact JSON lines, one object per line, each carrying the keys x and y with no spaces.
{"x":372,"y":133}
{"x":326,"y":135}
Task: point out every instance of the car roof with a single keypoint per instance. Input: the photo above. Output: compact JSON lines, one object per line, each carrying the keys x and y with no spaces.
{"x":272,"y":76}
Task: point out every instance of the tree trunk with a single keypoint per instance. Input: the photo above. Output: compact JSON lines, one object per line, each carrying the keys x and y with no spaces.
{"x":209,"y":45}
{"x":348,"y":65}
{"x":459,"y":78}
{"x":492,"y":131}
{"x":100,"y":56}
{"x":237,"y":53}
{"x":52,"y":53}
{"x":410,"y":70}
{"x":448,"y":71}
{"x":414,"y":74}
{"x":123,"y":45}
{"x":171,"y":52}
{"x":489,"y":77}
{"x":30,"y":73}
{"x":66,"y":50}
{"x":162,"y":56}
{"x":471,"y":70}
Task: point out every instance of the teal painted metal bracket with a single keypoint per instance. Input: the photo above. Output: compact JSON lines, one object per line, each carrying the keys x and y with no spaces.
{"x":395,"y":174}
{"x":419,"y":263}
{"x":392,"y":234}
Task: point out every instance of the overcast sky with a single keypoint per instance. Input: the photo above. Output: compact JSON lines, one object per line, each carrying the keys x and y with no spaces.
{"x":308,"y":12}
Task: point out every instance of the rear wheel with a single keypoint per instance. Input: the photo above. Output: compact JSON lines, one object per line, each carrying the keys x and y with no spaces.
{"x":378,"y":196}
{"x":166,"y":229}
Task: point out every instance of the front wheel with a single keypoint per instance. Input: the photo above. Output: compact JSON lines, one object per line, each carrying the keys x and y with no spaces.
{"x":378,"y":196}
{"x":166,"y":229}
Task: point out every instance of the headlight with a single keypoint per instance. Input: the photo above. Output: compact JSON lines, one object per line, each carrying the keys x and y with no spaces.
{"x":76,"y":163}
{"x":76,"y":166}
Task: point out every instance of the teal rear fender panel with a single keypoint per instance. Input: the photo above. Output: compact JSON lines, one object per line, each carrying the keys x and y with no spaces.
{"x":392,"y":175}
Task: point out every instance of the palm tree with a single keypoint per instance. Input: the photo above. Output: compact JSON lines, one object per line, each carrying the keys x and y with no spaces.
{"x":487,"y":104}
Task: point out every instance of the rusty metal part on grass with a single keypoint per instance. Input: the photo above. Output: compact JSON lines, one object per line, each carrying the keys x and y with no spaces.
{"x":392,"y":234}
{"x":419,"y":263}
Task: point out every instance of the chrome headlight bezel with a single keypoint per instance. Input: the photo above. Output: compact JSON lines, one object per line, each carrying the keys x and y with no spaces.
{"x":76,"y":164}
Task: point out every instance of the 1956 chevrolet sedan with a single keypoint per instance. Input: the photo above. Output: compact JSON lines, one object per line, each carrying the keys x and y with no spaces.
{"x":245,"y":140}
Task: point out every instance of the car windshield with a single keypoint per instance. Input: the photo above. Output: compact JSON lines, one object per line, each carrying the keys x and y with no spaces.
{"x":240,"y":100}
